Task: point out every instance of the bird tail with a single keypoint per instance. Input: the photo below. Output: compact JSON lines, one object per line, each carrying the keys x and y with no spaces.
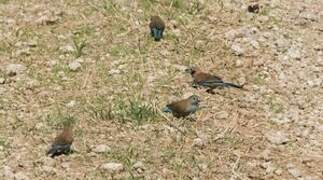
{"x":52,"y":151}
{"x":58,"y":149}
{"x":157,"y":34}
{"x":227,"y":84}
{"x":167,"y":110}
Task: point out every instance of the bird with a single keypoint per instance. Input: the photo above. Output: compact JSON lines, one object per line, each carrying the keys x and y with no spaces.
{"x":183,"y":107}
{"x":203,"y":79}
{"x":157,"y":27}
{"x":62,"y":143}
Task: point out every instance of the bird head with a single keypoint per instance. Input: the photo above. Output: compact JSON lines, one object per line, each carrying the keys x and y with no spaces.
{"x":194,"y":99}
{"x":192,"y":70}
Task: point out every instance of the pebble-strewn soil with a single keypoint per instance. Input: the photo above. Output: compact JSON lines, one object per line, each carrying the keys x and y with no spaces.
{"x":96,"y":62}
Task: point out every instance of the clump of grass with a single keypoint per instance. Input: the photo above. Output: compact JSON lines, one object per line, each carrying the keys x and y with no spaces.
{"x":3,"y":143}
{"x":101,"y":109}
{"x":177,"y":3}
{"x":59,"y":119}
{"x":122,"y":110}
{"x":4,"y":1}
{"x":275,"y":106}
{"x":79,"y":45}
{"x":134,"y":111}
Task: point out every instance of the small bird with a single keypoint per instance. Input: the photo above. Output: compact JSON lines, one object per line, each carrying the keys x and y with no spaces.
{"x":62,"y":143}
{"x":206,"y":80}
{"x":183,"y":107}
{"x":157,"y":27}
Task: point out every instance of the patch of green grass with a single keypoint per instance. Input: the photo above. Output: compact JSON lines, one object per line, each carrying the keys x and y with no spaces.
{"x":195,"y":8}
{"x":147,"y":4}
{"x":121,"y":110}
{"x":100,"y":109}
{"x":110,"y":7}
{"x":177,"y":3}
{"x":260,"y":79}
{"x":135,"y":111}
{"x":59,"y":119}
{"x":121,"y":50}
{"x":3,"y":143}
{"x":4,"y":1}
{"x":275,"y":106}
{"x":79,"y":45}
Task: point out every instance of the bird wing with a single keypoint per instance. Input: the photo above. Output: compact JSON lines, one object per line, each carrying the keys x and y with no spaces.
{"x":179,"y":108}
{"x":201,"y":78}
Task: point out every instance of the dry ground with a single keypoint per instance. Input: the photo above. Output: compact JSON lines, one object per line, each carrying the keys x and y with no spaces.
{"x":272,"y":130}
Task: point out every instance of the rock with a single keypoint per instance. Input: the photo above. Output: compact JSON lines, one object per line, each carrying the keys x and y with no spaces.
{"x":49,"y":169}
{"x":139,"y":166}
{"x":310,"y":16}
{"x":294,"y":53}
{"x":14,"y":69}
{"x":2,"y":80}
{"x":101,"y":148}
{"x":239,"y":63}
{"x":67,"y":49}
{"x":24,"y":51}
{"x":277,"y":137}
{"x":65,"y":165}
{"x":279,"y":172}
{"x":7,"y":172}
{"x":112,"y":167}
{"x":71,"y":104}
{"x":237,"y":49}
{"x":293,"y":170}
{"x":270,"y":168}
{"x":75,"y":65}
{"x":199,"y":142}
{"x":47,"y":161}
{"x":114,"y":71}
{"x":222,"y":115}
{"x":21,"y":176}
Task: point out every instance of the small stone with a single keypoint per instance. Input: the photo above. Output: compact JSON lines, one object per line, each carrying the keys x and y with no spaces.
{"x":7,"y":172}
{"x":112,"y":167}
{"x":294,"y":53}
{"x":67,"y":49}
{"x":49,"y":169}
{"x":139,"y":165}
{"x":263,"y":19}
{"x":2,"y":80}
{"x":237,"y":49}
{"x":293,"y":170}
{"x":199,"y":142}
{"x":74,"y":66}
{"x":14,"y":69}
{"x":222,"y":115}
{"x":47,"y":161}
{"x":277,"y":137}
{"x":71,"y":104}
{"x":114,"y":71}
{"x":279,"y":172}
{"x":270,"y":168}
{"x":239,"y":63}
{"x":65,"y":165}
{"x":101,"y":148}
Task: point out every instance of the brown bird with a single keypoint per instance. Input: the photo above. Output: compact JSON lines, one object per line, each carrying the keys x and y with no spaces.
{"x":183,"y":107}
{"x":157,"y":27}
{"x":62,"y":143}
{"x":203,"y":79}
